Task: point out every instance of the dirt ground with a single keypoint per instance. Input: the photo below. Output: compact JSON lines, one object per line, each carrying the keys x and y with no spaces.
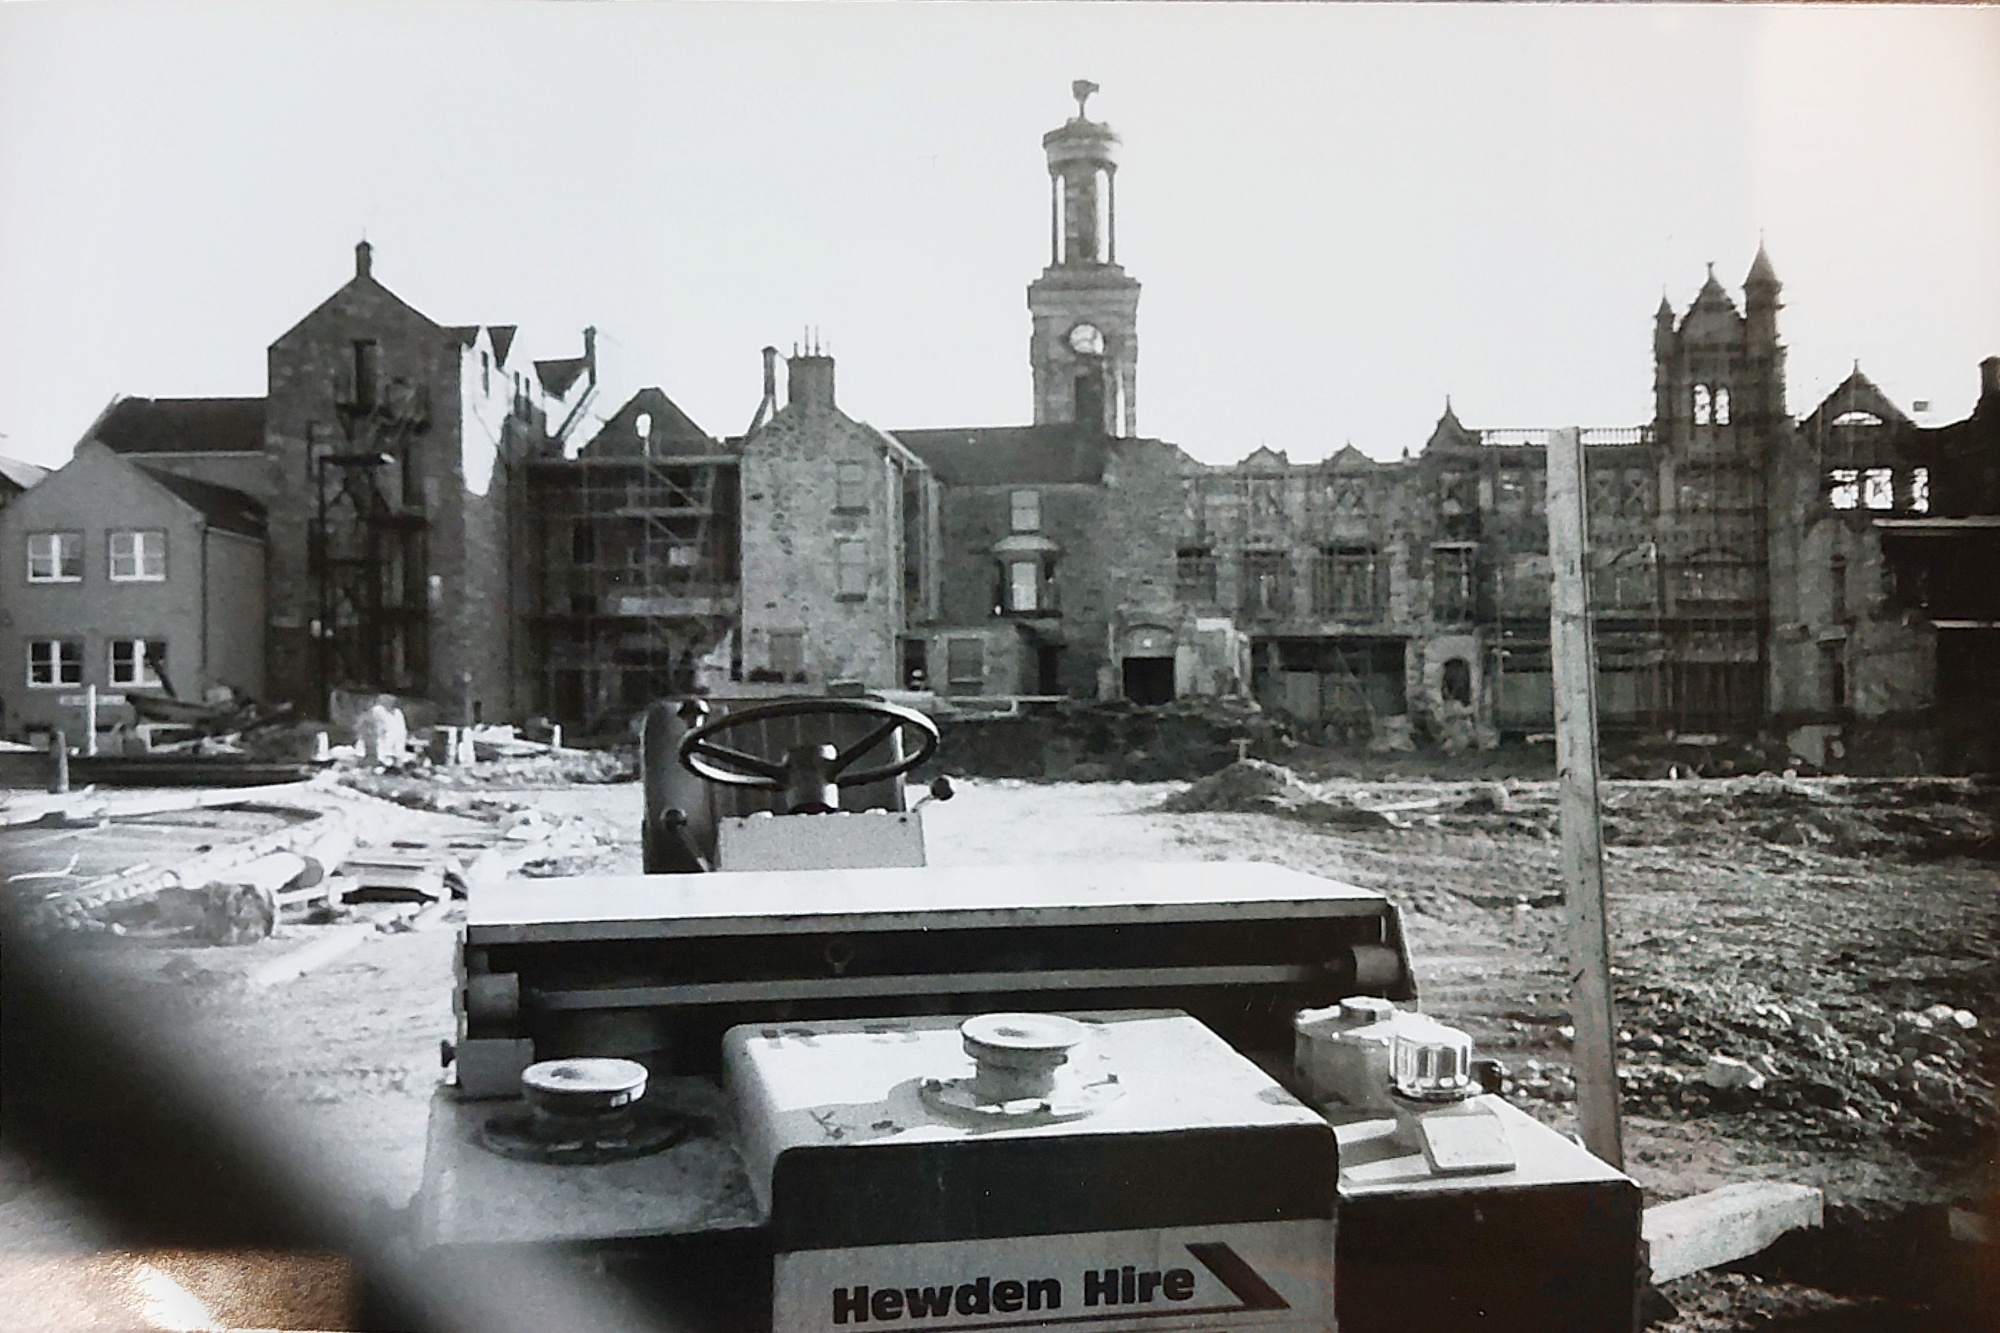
{"x":1840,"y":938}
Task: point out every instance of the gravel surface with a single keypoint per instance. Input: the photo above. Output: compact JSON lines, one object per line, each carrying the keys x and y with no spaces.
{"x":1807,"y":973}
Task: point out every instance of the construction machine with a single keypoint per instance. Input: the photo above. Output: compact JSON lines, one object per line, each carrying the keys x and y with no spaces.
{"x":797,"y":1079}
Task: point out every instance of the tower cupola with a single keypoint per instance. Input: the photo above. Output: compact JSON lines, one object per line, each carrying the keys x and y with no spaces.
{"x":1083,"y":194}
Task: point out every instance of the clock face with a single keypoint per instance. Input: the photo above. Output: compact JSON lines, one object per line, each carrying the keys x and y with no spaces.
{"x":1085,"y":340}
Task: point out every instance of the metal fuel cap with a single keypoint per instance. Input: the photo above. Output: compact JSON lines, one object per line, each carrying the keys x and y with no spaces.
{"x":581,"y":1111}
{"x":1019,"y":1071}
{"x":583,"y":1086}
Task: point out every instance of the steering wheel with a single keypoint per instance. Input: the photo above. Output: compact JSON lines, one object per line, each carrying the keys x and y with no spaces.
{"x":805,"y":769}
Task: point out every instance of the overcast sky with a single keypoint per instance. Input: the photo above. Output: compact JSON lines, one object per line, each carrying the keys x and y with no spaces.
{"x":1340,"y":215}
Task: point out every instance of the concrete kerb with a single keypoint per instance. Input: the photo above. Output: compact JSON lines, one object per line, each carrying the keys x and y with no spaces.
{"x":1724,"y":1225}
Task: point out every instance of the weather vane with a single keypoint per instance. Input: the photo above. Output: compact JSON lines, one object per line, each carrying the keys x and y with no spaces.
{"x":1081,"y":91}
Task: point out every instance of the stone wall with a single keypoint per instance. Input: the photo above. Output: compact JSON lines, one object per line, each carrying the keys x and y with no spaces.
{"x":794,"y":531}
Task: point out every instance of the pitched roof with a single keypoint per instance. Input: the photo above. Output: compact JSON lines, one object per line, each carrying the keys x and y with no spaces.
{"x":463,"y":334}
{"x":183,"y":426}
{"x":1711,"y":293}
{"x":21,"y":474}
{"x":1047,"y":455}
{"x":503,"y":338}
{"x":1450,"y":432}
{"x":1857,"y":393}
{"x":230,"y":510}
{"x":557,"y":376}
{"x":670,"y":430}
{"x":1761,"y":272}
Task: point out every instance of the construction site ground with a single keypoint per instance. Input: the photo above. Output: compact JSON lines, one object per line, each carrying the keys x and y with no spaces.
{"x":1807,"y":974}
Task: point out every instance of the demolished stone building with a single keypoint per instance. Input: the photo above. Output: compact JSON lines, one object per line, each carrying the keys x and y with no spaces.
{"x":438,"y":526}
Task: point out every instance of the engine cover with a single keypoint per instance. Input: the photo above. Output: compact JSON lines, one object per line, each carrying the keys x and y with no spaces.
{"x":1164,"y":1182}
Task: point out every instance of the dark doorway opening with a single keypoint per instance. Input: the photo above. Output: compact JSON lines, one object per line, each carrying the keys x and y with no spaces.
{"x":916,"y":664}
{"x":1149,"y":680}
{"x":566,"y":696}
{"x":1048,"y":669}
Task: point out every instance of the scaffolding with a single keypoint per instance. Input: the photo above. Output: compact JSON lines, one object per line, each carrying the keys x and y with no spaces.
{"x":369,"y":550}
{"x":636,"y":578}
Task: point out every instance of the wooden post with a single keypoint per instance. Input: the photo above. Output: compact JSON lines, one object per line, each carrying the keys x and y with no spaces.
{"x":90,"y":719}
{"x":1574,"y":657}
{"x":59,"y":749}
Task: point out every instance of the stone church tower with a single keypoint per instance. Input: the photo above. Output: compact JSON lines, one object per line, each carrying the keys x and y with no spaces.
{"x":1084,"y":348}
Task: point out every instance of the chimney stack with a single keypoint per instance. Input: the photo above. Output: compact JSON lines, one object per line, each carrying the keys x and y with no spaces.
{"x":364,"y":259}
{"x":810,"y":381}
{"x":590,"y":354}
{"x":1989,"y":376}
{"x":768,"y":407}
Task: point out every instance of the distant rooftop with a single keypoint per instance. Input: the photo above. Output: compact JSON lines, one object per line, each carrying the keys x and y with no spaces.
{"x":21,"y":474}
{"x":1049,"y":454}
{"x":183,"y":426}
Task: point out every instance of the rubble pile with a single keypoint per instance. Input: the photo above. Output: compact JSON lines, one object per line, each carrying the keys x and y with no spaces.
{"x":422,"y":783}
{"x":1919,"y":818}
{"x":1854,"y":1071}
{"x":1253,"y":786}
{"x":1839,"y":1072}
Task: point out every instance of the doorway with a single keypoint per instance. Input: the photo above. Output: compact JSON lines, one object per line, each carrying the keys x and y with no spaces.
{"x":1048,"y":669}
{"x":1149,"y":680}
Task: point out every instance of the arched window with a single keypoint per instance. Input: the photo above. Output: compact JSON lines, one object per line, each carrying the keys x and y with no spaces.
{"x":1702,"y":405}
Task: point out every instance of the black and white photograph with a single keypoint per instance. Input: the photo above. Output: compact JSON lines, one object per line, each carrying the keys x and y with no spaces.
{"x":625,"y":705}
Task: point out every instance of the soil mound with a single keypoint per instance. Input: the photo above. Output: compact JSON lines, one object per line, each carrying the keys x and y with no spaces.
{"x":1256,"y":787}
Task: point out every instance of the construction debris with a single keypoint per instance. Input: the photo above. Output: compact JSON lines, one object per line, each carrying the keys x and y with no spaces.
{"x":1252,"y":786}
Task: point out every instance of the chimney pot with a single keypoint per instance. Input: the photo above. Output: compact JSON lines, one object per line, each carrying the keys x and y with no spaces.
{"x":364,"y":259}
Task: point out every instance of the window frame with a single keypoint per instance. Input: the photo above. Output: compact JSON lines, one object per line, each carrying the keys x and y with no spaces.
{"x":850,"y":486}
{"x":145,"y":677}
{"x":1265,"y":591}
{"x":1196,"y":577}
{"x":65,"y":652}
{"x":59,"y":540}
{"x":1878,"y":489}
{"x":955,"y":646}
{"x":790,"y":637}
{"x":850,"y":556}
{"x":1345,"y":568}
{"x":1016,"y":501}
{"x":1462,"y":605}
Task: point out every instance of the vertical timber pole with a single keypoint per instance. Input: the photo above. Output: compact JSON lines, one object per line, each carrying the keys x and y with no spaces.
{"x":1575,"y":662}
{"x":90,"y":720}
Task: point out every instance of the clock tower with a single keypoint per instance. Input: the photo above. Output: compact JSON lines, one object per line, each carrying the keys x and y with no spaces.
{"x":1084,"y":347}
